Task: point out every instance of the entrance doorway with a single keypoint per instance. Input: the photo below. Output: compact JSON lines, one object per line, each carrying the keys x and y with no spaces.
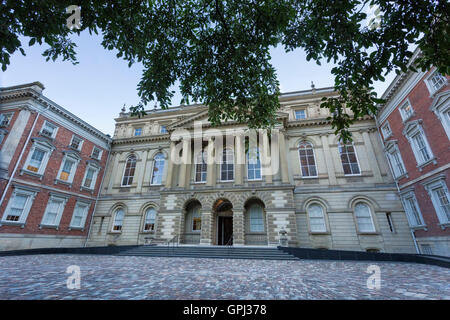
{"x":225,"y":231}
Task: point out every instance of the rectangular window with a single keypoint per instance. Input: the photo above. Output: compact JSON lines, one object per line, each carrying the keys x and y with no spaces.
{"x":421,"y":147}
{"x":17,"y":207}
{"x":2,"y":136}
{"x":412,"y":212}
{"x":53,"y":212}
{"x":76,"y":143}
{"x":96,"y":153}
{"x":89,"y":177}
{"x":36,"y":160}
{"x":443,"y":202}
{"x":406,"y":111}
{"x":300,"y":114}
{"x":390,"y":222}
{"x":48,"y":129}
{"x":397,"y":164}
{"x":436,"y":81}
{"x":386,"y":129}
{"x":163,"y":129}
{"x":196,"y":224}
{"x":5,"y":118}
{"x":349,"y":159}
{"x":426,"y":249}
{"x":137,"y":132}
{"x":79,"y":215}
{"x":66,"y":170}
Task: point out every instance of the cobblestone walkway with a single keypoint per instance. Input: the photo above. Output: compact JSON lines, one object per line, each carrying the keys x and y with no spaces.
{"x":111,"y":277}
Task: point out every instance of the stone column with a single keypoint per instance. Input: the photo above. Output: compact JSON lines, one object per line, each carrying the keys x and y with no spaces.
{"x":210,"y":172}
{"x":109,"y":176}
{"x":141,"y":173}
{"x":371,"y":157}
{"x":119,"y":169}
{"x":206,"y":233}
{"x":328,"y":160}
{"x":265,"y":155}
{"x":240,"y":159}
{"x":184,"y":161}
{"x":170,"y":165}
{"x":283,"y":158}
{"x":238,"y":226}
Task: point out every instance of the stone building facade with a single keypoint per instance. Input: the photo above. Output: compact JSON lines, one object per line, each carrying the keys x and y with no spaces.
{"x":415,"y":127}
{"x":51,"y":168}
{"x":171,"y":176}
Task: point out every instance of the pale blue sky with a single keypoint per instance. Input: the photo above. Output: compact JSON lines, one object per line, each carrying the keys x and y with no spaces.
{"x":96,"y":88}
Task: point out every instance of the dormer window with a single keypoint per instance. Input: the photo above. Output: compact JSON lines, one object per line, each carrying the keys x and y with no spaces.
{"x":76,"y":143}
{"x":386,"y":129}
{"x":49,"y":130}
{"x":435,"y":81}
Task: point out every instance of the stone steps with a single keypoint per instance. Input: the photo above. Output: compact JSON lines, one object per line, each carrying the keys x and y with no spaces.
{"x":218,"y":252}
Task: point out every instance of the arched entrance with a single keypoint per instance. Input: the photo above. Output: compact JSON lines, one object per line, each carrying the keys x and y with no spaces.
{"x":223,"y":216}
{"x":192,"y":223}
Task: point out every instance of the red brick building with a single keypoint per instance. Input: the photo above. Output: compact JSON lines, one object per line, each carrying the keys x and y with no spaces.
{"x":414,"y":125}
{"x":51,"y":169}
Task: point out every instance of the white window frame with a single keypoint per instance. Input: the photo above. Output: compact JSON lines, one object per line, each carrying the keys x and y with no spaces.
{"x":80,"y":145}
{"x":71,"y":157}
{"x":315,"y":162}
{"x":406,"y":197}
{"x":54,"y":197}
{"x":430,"y":86}
{"x":356,"y":156}
{"x":250,"y":219}
{"x":3,"y":134}
{"x":404,"y":115}
{"x":204,"y":161}
{"x":386,"y":129}
{"x":30,"y":194}
{"x":47,"y":148}
{"x":227,"y":149}
{"x":371,"y":213}
{"x":100,"y":153}
{"x":441,"y":107}
{"x":94,"y":177}
{"x":9,"y":115}
{"x":146,"y":213}
{"x":115,"y":218}
{"x":50,"y":124}
{"x":196,"y":213}
{"x":125,"y":169}
{"x":85,"y":207}
{"x":323,"y":217}
{"x":304,"y":111}
{"x":258,"y":154}
{"x":411,"y":130}
{"x":163,"y":159}
{"x":392,"y":149}
{"x":431,"y":186}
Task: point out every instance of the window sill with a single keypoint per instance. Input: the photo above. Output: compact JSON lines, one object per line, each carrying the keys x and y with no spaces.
{"x":114,"y":232}
{"x":152,"y":232}
{"x":12,"y":223}
{"x":424,"y":164}
{"x":46,"y":136}
{"x":87,"y":189}
{"x":368,"y":233}
{"x":48,"y":226}
{"x":404,"y":175}
{"x":444,"y":225}
{"x":76,"y":228}
{"x":319,"y":233}
{"x":69,"y":184}
{"x":421,"y":227}
{"x":31,"y":173}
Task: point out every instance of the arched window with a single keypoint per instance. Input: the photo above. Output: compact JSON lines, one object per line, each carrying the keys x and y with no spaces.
{"x":130,"y":168}
{"x":227,"y":165}
{"x":364,"y":217}
{"x":158,"y":169}
{"x":196,"y":218}
{"x":316,"y":218}
{"x":150,"y":218}
{"x":307,"y":159}
{"x":200,"y":167}
{"x":118,"y":220}
{"x":256,"y":218}
{"x":253,"y":164}
{"x":349,"y":159}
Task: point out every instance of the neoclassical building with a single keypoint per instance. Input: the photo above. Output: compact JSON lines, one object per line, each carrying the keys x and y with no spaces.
{"x":171,"y":175}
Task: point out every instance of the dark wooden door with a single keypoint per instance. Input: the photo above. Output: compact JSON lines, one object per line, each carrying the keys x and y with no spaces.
{"x":225,"y":230}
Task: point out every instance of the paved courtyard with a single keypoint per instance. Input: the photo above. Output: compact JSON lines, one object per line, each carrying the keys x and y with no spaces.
{"x":114,"y":277}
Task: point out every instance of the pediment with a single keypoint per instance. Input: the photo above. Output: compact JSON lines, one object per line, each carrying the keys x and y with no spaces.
{"x":441,"y":99}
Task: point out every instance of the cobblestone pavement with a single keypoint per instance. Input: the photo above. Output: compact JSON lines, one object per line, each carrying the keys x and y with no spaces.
{"x":114,"y":277}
